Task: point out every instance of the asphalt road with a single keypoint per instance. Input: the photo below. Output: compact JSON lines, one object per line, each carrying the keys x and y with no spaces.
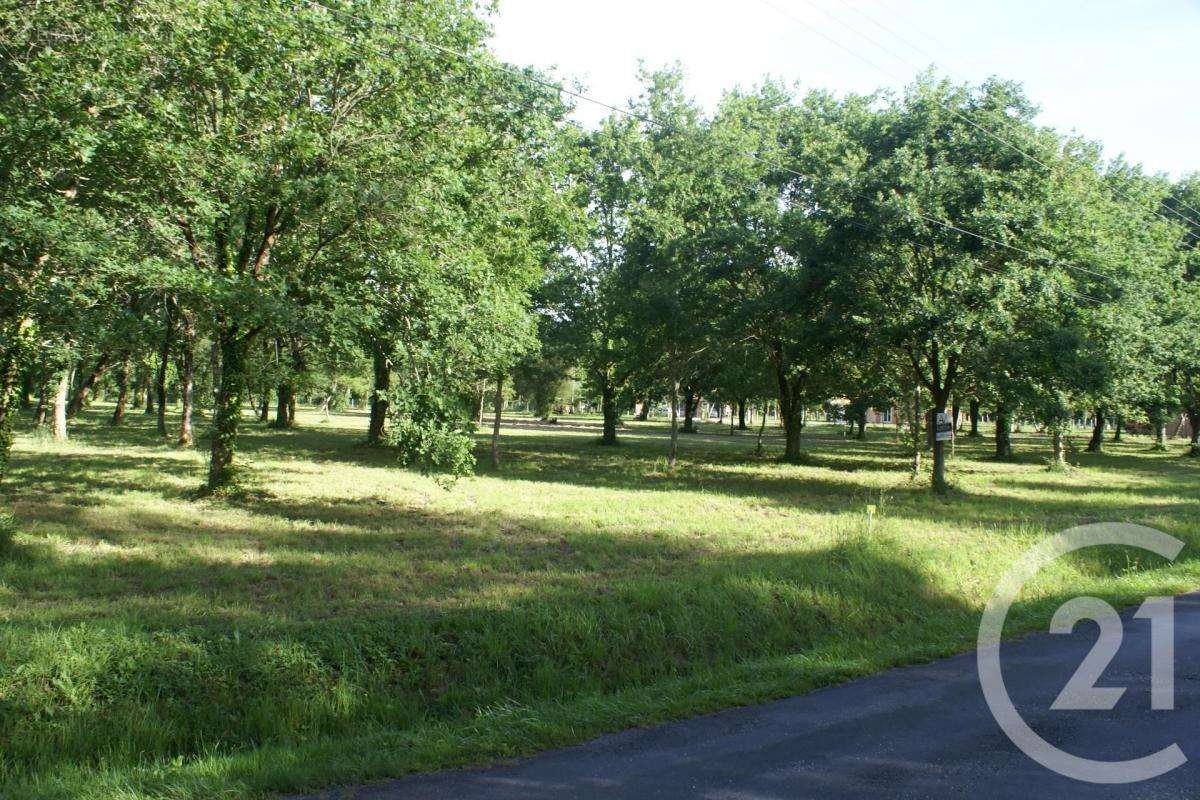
{"x":916,"y":732}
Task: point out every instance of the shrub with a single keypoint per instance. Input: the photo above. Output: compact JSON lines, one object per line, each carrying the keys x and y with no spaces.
{"x":8,"y":530}
{"x":430,"y":434}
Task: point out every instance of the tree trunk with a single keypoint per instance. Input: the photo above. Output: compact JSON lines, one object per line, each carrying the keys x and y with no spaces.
{"x":118,"y":415}
{"x":741,"y":414}
{"x":9,"y":401}
{"x":644,"y":414}
{"x":861,"y":421}
{"x":164,"y":357}
{"x":1193,"y":415}
{"x":1058,"y":446}
{"x":793,"y":427}
{"x":499,"y":405}
{"x":145,"y":387}
{"x":956,"y":412}
{"x":39,"y":414}
{"x":916,"y":431}
{"x":674,"y":451}
{"x":608,"y":405}
{"x":1118,"y":428}
{"x":762,"y":427}
{"x":691,"y":401}
{"x":791,"y":409}
{"x":59,"y":420}
{"x":187,"y":384}
{"x":160,"y":388}
{"x":76,"y":376}
{"x":1004,"y":450}
{"x":264,"y":406}
{"x":285,"y":396}
{"x":1158,"y":423}
{"x":974,"y":414}
{"x":940,"y":484}
{"x":89,"y":381}
{"x":227,"y":414}
{"x":1096,"y":443}
{"x":379,"y":398}
{"x":214,"y":369}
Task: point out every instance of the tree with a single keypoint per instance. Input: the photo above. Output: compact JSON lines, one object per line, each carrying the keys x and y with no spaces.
{"x":539,"y":379}
{"x":1181,"y":313}
{"x":581,"y":302}
{"x":788,"y":244}
{"x":58,"y":72}
{"x":935,"y":292}
{"x":868,"y":379}
{"x":270,"y":123}
{"x":662,"y":276}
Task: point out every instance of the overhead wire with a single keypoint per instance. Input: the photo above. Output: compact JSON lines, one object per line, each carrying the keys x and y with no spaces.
{"x":950,"y":109}
{"x":648,"y":120}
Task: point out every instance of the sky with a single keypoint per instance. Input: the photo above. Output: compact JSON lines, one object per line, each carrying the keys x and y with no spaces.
{"x":1124,"y":73}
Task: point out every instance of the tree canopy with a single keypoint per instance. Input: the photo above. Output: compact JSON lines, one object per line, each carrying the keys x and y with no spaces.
{"x":243,"y":203}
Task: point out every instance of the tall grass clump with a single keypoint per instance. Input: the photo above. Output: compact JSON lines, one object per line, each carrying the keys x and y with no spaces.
{"x":8,"y":533}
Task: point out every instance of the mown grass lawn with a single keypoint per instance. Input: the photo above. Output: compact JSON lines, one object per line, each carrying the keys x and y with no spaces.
{"x":344,"y":619}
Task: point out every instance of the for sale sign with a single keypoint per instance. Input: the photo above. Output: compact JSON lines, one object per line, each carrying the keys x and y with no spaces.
{"x":943,"y":430}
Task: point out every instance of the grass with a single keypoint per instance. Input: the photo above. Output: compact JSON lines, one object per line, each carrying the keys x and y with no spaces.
{"x":345,"y":620}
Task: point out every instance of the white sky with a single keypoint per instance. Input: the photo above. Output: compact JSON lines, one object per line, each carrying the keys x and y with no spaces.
{"x":1121,"y":71}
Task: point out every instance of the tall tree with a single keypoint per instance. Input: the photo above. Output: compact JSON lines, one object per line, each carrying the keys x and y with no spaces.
{"x":936,"y":292}
{"x":791,"y":169}
{"x":56,"y":78}
{"x":581,"y":302}
{"x":265,"y":117}
{"x":663,"y":277}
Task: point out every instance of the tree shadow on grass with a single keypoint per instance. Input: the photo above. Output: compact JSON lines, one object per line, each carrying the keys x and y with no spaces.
{"x":299,"y":619}
{"x":827,"y":483}
{"x":817,"y":487}
{"x":51,"y":476}
{"x":175,"y":653}
{"x":159,"y":673}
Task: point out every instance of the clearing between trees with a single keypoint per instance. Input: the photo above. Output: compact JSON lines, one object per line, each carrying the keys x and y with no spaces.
{"x":341,"y":620}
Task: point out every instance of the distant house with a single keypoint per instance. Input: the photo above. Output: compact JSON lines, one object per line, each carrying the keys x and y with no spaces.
{"x":1180,"y":427}
{"x":876,"y":416}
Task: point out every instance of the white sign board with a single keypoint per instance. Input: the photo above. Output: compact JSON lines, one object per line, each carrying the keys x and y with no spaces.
{"x":943,"y":429}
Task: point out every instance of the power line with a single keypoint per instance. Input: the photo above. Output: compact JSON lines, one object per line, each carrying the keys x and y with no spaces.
{"x":902,"y":39}
{"x":526,"y":76}
{"x":870,"y":39}
{"x":784,"y":12}
{"x":990,"y":240}
{"x":993,"y":270}
{"x":523,"y":75}
{"x":499,"y":66}
{"x":1185,"y":204}
{"x":923,"y":31}
{"x":1190,"y":222}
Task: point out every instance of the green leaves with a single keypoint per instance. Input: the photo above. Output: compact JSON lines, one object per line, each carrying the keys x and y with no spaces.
{"x":360,"y":176}
{"x":430,"y":434}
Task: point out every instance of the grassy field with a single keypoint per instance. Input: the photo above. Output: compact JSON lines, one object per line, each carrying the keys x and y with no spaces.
{"x":344,"y":619}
